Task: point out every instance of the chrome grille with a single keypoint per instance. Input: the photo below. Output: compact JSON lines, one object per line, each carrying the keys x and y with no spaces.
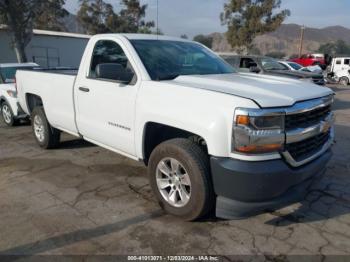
{"x":307,"y":118}
{"x":308,"y":147}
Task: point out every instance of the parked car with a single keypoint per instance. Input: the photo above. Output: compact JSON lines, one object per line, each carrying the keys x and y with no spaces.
{"x":296,"y":67}
{"x":9,"y":106}
{"x":269,"y":66}
{"x":206,"y":133}
{"x":339,"y":70}
{"x":310,"y":60}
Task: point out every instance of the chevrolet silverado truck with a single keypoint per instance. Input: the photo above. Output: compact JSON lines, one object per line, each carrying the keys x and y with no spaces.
{"x":212,"y":139}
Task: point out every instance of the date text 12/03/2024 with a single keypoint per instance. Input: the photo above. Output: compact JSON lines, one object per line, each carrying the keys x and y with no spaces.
{"x":173,"y":258}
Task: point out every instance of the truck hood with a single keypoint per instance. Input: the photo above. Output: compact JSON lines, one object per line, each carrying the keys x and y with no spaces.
{"x":266,"y":91}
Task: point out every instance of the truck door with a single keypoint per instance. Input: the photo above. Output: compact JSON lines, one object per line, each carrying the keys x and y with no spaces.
{"x":106,"y":106}
{"x":337,"y":67}
{"x":346,"y":66}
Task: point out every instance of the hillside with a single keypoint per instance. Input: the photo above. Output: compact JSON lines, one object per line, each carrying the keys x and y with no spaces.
{"x":286,"y":39}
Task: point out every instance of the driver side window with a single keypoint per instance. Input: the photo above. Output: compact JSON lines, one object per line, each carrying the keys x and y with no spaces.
{"x":109,"y":53}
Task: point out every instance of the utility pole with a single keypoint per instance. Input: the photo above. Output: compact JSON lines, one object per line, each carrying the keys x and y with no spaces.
{"x":157,"y":18}
{"x":302,"y":30}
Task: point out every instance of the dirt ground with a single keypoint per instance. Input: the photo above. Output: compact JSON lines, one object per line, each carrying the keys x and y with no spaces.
{"x":82,"y":199}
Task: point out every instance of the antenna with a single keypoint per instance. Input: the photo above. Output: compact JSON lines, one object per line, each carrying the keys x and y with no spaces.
{"x":157,"y":18}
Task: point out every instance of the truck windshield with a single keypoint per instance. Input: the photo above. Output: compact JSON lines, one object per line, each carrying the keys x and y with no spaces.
{"x":271,"y":64}
{"x":165,"y":60}
{"x":295,"y":66}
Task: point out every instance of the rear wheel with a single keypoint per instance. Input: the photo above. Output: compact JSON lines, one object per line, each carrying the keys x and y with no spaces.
{"x":344,"y":81}
{"x":45,"y":135}
{"x":180,"y":178}
{"x":7,"y":114}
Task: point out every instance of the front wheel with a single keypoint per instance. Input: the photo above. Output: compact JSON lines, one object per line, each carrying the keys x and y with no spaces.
{"x":7,"y":114}
{"x":344,"y":81}
{"x":45,"y":135}
{"x":180,"y":178}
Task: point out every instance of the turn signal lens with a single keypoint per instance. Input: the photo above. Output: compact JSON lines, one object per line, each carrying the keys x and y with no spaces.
{"x":242,"y":120}
{"x":259,"y":149}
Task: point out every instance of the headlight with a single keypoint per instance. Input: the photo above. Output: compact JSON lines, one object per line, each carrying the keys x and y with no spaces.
{"x":260,"y":122}
{"x":12,"y":93}
{"x":257,"y":131}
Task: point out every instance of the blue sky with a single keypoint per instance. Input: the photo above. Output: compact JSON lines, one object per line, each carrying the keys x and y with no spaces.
{"x":193,"y":17}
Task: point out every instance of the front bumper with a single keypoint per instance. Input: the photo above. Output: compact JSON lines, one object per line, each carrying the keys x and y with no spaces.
{"x":246,"y":188}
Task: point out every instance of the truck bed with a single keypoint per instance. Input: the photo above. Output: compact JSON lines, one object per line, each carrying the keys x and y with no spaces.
{"x":61,"y":71}
{"x":55,"y":88}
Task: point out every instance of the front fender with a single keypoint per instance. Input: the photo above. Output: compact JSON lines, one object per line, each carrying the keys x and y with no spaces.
{"x":205,"y":113}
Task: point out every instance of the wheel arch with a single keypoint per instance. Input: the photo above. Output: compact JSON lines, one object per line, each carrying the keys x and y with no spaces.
{"x":33,"y":101}
{"x":3,"y":99}
{"x":155,"y":133}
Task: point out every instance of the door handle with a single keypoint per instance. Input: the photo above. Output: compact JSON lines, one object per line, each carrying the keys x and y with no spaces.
{"x":84,"y":89}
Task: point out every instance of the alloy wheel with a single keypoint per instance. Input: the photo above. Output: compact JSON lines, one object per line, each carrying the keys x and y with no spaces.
{"x":173,"y":182}
{"x":6,"y":113}
{"x":39,"y":128}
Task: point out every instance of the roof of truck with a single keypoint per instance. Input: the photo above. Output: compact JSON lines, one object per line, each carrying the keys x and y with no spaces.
{"x":146,"y":37}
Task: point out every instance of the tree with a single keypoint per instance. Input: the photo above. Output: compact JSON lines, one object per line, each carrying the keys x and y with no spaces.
{"x":338,"y":47}
{"x":184,"y":36}
{"x":97,"y":16}
{"x":132,"y":17}
{"x":246,"y":19}
{"x":205,"y":40}
{"x":51,"y":19}
{"x":20,"y":16}
{"x":254,"y":51}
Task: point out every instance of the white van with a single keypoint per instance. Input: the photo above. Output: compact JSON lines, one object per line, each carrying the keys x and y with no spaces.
{"x":340,"y":69}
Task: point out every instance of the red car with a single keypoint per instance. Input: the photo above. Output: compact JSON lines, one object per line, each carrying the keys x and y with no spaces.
{"x":310,"y":60}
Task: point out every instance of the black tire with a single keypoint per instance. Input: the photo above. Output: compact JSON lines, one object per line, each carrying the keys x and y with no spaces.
{"x":196,"y":163}
{"x":51,"y":136}
{"x":9,"y":119}
{"x":344,"y":81}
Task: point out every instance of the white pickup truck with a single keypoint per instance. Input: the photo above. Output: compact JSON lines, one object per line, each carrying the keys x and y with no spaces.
{"x":211,"y":137}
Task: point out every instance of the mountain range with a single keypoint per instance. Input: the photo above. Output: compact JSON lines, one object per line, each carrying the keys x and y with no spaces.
{"x":286,"y":39}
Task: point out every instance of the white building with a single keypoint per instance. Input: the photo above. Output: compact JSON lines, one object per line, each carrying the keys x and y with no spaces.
{"x":47,"y":48}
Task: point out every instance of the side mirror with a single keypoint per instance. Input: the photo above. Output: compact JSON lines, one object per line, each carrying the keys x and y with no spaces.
{"x":114,"y":71}
{"x":254,"y":69}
